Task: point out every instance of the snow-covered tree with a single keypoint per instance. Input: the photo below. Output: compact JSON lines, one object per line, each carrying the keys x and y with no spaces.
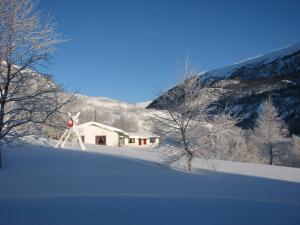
{"x":231,"y":145}
{"x":269,"y":130}
{"x":186,"y":127}
{"x":28,"y":100}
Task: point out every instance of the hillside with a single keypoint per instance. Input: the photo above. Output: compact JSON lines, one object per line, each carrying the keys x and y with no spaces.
{"x":129,"y":117}
{"x":246,"y":84}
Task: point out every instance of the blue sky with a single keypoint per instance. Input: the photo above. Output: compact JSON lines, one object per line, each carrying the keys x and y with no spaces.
{"x":130,"y":50}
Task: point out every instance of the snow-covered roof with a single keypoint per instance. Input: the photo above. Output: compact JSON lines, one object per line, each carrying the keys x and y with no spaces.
{"x":142,"y":135}
{"x":114,"y":129}
{"x":104,"y":126}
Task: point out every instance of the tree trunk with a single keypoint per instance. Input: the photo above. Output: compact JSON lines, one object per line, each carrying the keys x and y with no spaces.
{"x":190,"y":162}
{"x":271,"y":154}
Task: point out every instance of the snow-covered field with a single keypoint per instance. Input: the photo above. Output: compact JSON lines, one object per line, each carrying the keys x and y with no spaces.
{"x":42,"y":185}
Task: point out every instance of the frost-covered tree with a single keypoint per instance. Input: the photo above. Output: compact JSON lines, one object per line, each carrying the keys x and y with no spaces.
{"x":186,"y":127}
{"x":231,"y":145}
{"x":28,"y":100}
{"x":269,"y":130}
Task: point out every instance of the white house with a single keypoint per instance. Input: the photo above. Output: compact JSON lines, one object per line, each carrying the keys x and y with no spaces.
{"x":101,"y":134}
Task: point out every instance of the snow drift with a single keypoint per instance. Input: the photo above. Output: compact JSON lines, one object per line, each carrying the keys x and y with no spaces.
{"x":42,"y":185}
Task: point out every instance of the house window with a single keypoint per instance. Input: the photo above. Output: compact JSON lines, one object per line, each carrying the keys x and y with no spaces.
{"x":82,"y":139}
{"x":131,"y":140}
{"x":153,"y":140}
{"x":145,"y":141}
{"x":100,"y":140}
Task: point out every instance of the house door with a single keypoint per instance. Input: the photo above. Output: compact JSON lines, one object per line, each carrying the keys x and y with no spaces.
{"x":140,"y":141}
{"x":121,"y":141}
{"x":145,"y":141}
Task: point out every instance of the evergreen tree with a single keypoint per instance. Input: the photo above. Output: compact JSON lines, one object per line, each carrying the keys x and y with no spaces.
{"x":269,"y":130}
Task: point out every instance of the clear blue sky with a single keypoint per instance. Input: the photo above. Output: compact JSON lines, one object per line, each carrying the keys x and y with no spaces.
{"x":129,"y":50}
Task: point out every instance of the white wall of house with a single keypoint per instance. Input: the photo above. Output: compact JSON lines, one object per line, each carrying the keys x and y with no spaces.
{"x":91,"y":131}
{"x":126,"y":140}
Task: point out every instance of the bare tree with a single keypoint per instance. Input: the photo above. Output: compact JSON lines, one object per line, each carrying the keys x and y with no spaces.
{"x":28,"y":100}
{"x":269,"y":130}
{"x":186,"y":126}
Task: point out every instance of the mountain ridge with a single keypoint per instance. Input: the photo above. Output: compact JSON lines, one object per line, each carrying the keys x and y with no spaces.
{"x":226,"y":71}
{"x":245,"y":85}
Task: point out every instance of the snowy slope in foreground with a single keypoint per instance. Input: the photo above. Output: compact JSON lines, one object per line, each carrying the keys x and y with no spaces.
{"x":41,"y":185}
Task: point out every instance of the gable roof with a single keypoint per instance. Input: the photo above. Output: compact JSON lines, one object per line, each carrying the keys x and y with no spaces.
{"x":104,"y":126}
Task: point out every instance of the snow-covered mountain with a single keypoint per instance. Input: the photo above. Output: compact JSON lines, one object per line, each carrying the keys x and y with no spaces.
{"x":246,"y":84}
{"x":277,"y":62}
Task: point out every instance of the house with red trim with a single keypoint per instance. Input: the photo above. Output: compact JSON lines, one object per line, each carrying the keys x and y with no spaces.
{"x":102,"y":134}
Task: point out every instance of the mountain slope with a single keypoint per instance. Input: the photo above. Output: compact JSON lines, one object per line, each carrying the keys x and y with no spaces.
{"x":246,"y":84}
{"x":128,"y":117}
{"x":280,"y":61}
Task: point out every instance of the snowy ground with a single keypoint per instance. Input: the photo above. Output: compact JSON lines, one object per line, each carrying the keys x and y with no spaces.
{"x":42,"y":185}
{"x":155,"y":155}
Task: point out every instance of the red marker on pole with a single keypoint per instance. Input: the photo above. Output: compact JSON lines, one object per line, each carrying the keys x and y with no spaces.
{"x":70,"y":123}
